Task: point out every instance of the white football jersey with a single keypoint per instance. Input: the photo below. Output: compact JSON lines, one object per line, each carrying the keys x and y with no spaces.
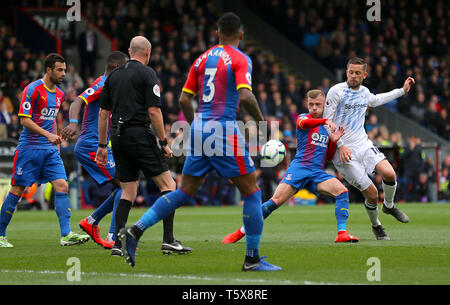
{"x":347,"y":108}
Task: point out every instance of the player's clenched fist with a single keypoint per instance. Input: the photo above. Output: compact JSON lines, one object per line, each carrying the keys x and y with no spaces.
{"x":54,"y":139}
{"x":408,"y":84}
{"x":101,"y":157}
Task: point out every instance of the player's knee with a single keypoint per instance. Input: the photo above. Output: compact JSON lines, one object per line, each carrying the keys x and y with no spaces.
{"x":341,"y":190}
{"x":61,"y":186}
{"x":17,"y":190}
{"x":390,"y":176}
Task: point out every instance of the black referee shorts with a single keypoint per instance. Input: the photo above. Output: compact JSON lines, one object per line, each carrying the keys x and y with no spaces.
{"x":136,"y":150}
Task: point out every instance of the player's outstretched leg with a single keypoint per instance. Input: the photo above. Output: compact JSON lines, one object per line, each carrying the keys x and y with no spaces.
{"x":90,"y":223}
{"x":267,"y":208}
{"x":371,"y":207}
{"x":389,"y":188}
{"x":170,"y":245}
{"x":73,"y":238}
{"x":388,"y":204}
{"x":397,"y":213}
{"x":62,"y":209}
{"x":331,"y":186}
{"x":109,"y":241}
{"x":341,"y":213}
{"x":234,"y":236}
{"x":252,"y":217}
{"x":283,"y":192}
{"x":129,"y":242}
{"x":377,"y":228}
{"x":129,"y":237}
{"x":7,"y":211}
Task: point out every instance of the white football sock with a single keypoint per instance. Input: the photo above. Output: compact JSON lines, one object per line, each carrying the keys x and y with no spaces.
{"x":90,"y":220}
{"x":242,"y":229}
{"x":389,"y":194}
{"x":372,"y":212}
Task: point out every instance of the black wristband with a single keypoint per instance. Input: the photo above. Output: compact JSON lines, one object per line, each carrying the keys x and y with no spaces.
{"x":102,"y":145}
{"x":163,"y":142}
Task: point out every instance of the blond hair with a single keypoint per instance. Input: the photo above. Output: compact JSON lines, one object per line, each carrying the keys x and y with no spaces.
{"x":314,"y":93}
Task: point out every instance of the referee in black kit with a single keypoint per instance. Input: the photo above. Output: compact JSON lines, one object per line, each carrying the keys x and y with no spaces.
{"x":132,"y":94}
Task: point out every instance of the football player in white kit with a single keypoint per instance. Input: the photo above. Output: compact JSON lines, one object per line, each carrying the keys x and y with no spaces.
{"x":357,"y":157}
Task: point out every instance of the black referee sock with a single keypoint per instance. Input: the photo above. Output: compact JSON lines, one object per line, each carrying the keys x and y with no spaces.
{"x":168,"y":225}
{"x":388,"y":182}
{"x":122,"y":211}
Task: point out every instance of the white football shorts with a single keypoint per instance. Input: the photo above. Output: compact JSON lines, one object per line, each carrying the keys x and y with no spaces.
{"x":363,"y":162}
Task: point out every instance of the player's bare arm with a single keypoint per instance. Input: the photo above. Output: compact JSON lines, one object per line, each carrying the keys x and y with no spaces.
{"x":248,"y":101}
{"x":101,"y":157}
{"x":70,"y":131}
{"x":33,"y":127}
{"x":186,"y":106}
{"x":383,"y":98}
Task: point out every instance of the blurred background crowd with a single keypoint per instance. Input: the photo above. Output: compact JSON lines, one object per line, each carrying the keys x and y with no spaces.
{"x":411,"y":40}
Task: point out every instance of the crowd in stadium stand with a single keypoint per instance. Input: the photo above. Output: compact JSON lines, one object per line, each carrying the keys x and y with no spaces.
{"x":181,"y":31}
{"x":411,"y":40}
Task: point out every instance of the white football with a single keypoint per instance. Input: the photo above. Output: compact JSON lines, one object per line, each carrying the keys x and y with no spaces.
{"x":273,"y":153}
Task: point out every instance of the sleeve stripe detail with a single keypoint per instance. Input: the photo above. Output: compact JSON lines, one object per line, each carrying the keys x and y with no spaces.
{"x":84,"y":99}
{"x":244,"y":86}
{"x":189,"y":91}
{"x":22,"y":114}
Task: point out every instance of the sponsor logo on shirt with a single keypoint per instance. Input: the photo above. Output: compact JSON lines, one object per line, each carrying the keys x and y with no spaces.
{"x":355,"y":106}
{"x":48,"y":113}
{"x":319,"y":139}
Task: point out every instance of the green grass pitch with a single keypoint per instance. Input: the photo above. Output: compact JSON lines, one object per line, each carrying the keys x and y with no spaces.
{"x":300,"y":239}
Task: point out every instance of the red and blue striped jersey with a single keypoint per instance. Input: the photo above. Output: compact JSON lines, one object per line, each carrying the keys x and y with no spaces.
{"x":216,"y":76}
{"x":89,"y":127}
{"x":41,"y":105}
{"x":313,"y":143}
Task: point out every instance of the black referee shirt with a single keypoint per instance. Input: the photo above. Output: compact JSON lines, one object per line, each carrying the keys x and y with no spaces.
{"x":128,"y":92}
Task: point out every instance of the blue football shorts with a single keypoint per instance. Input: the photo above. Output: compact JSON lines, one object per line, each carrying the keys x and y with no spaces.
{"x":37,"y":165}
{"x":302,"y":177}
{"x":230,"y":157}
{"x":85,"y":154}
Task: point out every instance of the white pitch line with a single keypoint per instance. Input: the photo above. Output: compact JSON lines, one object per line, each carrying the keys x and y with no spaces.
{"x":178,"y":277}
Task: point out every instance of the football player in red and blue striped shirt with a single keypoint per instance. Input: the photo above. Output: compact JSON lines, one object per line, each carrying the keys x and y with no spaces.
{"x":306,"y":170}
{"x":86,"y":148}
{"x":37,"y":158}
{"x":221,"y":78}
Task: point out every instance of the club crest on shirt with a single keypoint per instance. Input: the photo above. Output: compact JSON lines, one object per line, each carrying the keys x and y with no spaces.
{"x":111,"y":163}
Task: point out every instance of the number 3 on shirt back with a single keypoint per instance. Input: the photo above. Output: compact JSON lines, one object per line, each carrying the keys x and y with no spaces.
{"x":208,"y":96}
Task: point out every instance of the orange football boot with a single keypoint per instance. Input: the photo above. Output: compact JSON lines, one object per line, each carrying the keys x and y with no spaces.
{"x":233,"y":237}
{"x":344,"y":237}
{"x":108,"y":244}
{"x":92,"y":230}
